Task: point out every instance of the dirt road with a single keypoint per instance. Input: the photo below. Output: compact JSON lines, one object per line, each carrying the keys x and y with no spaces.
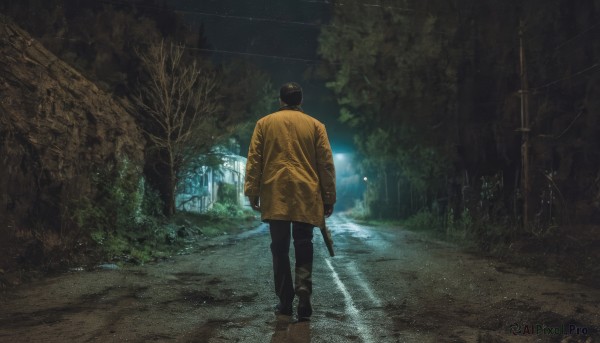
{"x":385,"y":285}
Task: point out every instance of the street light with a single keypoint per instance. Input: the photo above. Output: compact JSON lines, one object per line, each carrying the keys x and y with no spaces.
{"x":365,"y":179}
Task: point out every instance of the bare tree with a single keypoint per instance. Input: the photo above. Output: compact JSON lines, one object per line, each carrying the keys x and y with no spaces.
{"x":180,"y":105}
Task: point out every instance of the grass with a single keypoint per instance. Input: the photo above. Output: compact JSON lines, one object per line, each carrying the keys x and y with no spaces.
{"x":152,"y":239}
{"x":157,"y":239}
{"x":211,"y":224}
{"x":424,"y":223}
{"x":572,"y":253}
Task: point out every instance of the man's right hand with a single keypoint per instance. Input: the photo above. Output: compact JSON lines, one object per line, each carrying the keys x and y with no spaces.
{"x":328,"y":209}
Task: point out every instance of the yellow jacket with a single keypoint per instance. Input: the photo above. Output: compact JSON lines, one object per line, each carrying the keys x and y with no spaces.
{"x":290,"y":167}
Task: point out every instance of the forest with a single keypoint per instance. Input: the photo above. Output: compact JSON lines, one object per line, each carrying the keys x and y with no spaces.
{"x":476,"y":117}
{"x":478,"y":120}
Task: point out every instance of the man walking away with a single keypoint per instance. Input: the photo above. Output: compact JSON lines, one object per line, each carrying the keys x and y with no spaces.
{"x":290,"y":179}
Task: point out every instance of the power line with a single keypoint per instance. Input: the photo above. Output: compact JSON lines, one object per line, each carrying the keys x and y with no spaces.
{"x":228,"y":16}
{"x":258,"y":19}
{"x":405,"y":9}
{"x":315,"y":61}
{"x":595,"y":65}
{"x":547,"y":58}
{"x":229,"y":52}
{"x":577,"y":35}
{"x":285,"y":58}
{"x":255,"y":19}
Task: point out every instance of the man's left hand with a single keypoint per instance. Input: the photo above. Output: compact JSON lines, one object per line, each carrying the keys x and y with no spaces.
{"x":328,"y":209}
{"x":254,"y":202}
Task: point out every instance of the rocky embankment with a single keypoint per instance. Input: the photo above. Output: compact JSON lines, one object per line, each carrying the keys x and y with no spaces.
{"x":56,"y":129}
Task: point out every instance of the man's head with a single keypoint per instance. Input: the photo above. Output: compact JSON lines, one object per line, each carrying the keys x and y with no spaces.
{"x":291,"y":94}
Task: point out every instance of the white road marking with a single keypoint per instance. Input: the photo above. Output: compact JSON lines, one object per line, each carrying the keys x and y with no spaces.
{"x":363,"y":330}
{"x":374,"y":239}
{"x":360,"y":280}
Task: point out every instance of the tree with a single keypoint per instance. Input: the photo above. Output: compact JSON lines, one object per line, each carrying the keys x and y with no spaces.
{"x":179,"y":102}
{"x":395,"y":77}
{"x":434,"y":88}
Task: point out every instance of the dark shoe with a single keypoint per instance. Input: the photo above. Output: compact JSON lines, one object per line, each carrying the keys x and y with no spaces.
{"x":304,"y":306}
{"x":279,"y":309}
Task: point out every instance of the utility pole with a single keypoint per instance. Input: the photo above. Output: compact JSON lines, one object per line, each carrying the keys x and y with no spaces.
{"x":525,"y":183}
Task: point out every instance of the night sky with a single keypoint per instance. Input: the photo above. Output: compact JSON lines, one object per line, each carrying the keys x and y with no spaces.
{"x":278,"y":36}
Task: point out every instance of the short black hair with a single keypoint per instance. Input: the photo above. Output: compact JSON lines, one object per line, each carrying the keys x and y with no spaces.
{"x":291,"y":93}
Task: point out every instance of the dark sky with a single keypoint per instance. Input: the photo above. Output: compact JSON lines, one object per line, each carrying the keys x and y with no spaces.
{"x":284,"y":33}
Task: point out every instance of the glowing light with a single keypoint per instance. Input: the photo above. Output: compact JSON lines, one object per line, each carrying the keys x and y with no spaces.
{"x":365,"y":179}
{"x":339,"y":156}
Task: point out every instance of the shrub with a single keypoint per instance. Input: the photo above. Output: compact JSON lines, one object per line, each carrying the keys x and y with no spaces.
{"x":227,"y":194}
{"x":123,"y":217}
{"x":424,"y":220}
{"x":117,"y":201}
{"x":226,"y":210}
{"x":461,"y":227}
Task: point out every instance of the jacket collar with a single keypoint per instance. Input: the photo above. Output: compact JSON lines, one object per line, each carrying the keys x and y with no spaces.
{"x":291,"y":108}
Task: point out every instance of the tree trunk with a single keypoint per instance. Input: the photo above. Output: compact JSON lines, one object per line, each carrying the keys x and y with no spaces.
{"x":172,"y":177}
{"x":399,"y":209}
{"x":412,"y":206}
{"x":385,"y":181}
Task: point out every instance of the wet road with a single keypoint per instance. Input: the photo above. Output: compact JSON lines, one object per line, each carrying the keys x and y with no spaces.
{"x":385,"y":285}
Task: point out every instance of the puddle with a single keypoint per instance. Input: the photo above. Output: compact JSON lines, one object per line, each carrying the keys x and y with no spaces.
{"x":214,"y":281}
{"x":44,"y":317}
{"x":358,"y":251}
{"x":383,"y":259}
{"x":198,"y":298}
{"x":335,"y":315}
{"x":206,"y":298}
{"x":204,"y":331}
{"x":188,"y":277}
{"x":113,"y":295}
{"x":408,"y":275}
{"x":156,"y":337}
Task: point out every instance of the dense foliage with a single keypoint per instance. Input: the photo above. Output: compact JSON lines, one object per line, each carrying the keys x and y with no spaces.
{"x":434,"y":88}
{"x":106,"y":41}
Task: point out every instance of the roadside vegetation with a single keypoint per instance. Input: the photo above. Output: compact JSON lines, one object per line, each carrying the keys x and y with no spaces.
{"x":123,"y":222}
{"x":557,"y":252}
{"x":120,"y":208}
{"x":440,"y":123}
{"x":138,"y":231}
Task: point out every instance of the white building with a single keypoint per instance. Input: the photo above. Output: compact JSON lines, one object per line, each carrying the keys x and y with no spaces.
{"x":199,"y":191}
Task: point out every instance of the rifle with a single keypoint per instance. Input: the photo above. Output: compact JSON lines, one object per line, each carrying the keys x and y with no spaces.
{"x":327,"y":238}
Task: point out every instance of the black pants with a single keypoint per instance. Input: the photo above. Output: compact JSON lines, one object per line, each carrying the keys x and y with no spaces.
{"x":303,"y":249}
